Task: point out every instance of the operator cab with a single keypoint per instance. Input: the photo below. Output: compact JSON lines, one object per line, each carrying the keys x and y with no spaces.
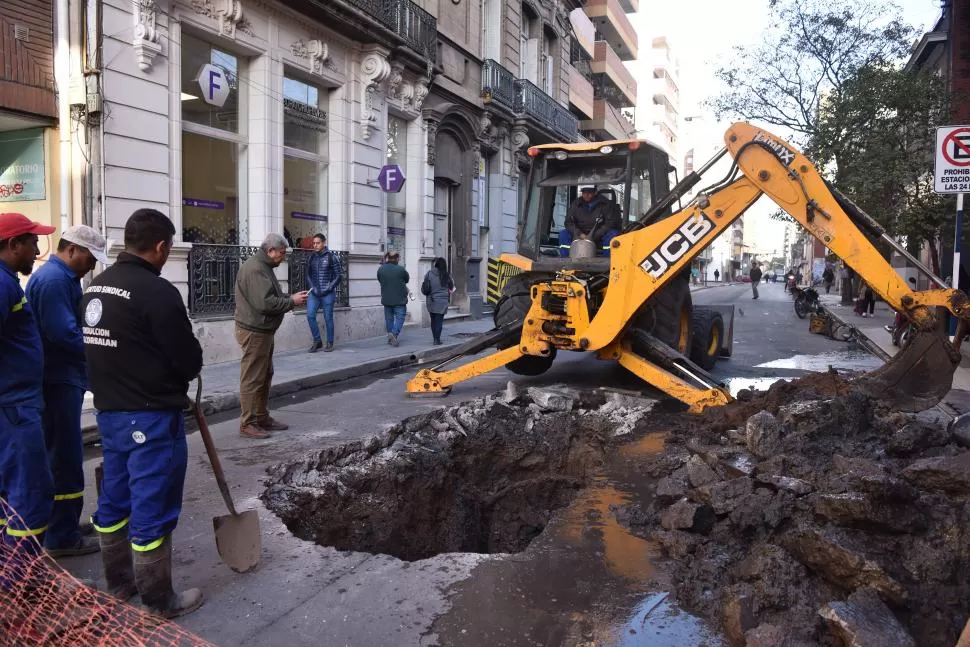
{"x":629,"y":174}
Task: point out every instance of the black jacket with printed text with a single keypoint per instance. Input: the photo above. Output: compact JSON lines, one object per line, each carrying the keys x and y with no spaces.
{"x":138,"y":340}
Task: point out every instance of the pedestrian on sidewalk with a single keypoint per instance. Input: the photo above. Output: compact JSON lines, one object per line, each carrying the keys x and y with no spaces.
{"x":323,"y":274}
{"x":260,"y":306}
{"x":141,"y":355}
{"x":717,"y":275}
{"x":868,"y":301}
{"x":755,"y":274}
{"x":54,"y":290}
{"x":26,"y":485}
{"x":437,"y":287}
{"x":394,"y":295}
{"x":828,"y":277}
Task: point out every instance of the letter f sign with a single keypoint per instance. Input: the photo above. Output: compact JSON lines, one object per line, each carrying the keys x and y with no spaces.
{"x":213,"y":83}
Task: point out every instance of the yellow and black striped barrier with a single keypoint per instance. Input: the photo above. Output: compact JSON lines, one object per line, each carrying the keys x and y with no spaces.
{"x":499,"y":272}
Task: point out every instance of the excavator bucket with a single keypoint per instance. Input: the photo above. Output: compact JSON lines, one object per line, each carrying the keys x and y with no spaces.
{"x":918,"y":376}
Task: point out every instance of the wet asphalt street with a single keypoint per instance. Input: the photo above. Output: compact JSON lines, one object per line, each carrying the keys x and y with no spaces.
{"x":585,"y":577}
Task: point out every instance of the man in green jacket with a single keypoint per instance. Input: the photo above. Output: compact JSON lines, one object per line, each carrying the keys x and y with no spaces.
{"x":260,"y":306}
{"x":394,"y":295}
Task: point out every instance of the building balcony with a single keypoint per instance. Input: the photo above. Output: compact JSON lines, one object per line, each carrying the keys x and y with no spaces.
{"x":614,"y":27}
{"x":581,"y":93}
{"x":607,"y":122}
{"x":524,"y":99}
{"x":413,"y":26}
{"x":538,"y":107}
{"x":665,"y":117}
{"x":630,"y":6}
{"x":584,"y":31}
{"x":607,"y":64}
{"x":665,"y":86}
{"x":498,"y":85}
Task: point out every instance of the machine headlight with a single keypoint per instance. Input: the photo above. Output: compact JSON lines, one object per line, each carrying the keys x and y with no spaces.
{"x":560,"y":155}
{"x":606,"y":150}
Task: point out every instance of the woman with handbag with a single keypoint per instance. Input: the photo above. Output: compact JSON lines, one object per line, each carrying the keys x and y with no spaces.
{"x":437,"y":288}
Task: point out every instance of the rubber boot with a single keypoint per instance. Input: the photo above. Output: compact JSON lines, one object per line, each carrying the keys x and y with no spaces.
{"x":153,"y":575}
{"x":119,"y":572}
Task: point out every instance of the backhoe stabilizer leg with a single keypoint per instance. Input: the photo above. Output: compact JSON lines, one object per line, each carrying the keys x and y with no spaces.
{"x":432,"y":382}
{"x":697,"y":399}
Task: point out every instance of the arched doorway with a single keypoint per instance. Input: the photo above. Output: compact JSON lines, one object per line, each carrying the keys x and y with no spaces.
{"x":452,"y":206}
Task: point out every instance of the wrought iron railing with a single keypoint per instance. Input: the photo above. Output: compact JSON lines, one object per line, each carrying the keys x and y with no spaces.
{"x":417,"y":27}
{"x":212,"y":277}
{"x":498,"y":84}
{"x":296,"y":267}
{"x":533,"y":102}
{"x":213,"y":270}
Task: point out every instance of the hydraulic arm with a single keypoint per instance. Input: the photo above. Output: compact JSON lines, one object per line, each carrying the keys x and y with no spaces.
{"x":589,"y":306}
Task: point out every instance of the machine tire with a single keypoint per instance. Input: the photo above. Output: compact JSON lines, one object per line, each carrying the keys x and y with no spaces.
{"x":708,"y":328}
{"x":513,"y":306}
{"x":801,"y":306}
{"x":667,"y":316}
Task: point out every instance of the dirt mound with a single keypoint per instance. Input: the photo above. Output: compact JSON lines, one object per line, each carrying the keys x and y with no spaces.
{"x":808,"y":515}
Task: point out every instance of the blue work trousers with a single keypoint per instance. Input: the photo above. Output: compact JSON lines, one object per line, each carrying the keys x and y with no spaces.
{"x":145,"y":456}
{"x":62,"y":433}
{"x":566,"y":241}
{"x":25,"y":480}
{"x":394,"y":318}
{"x":314,"y":304}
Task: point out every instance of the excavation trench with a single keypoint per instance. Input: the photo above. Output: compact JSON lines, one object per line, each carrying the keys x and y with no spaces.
{"x":484,"y":477}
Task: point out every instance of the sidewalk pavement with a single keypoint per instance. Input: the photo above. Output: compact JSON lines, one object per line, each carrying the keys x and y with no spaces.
{"x":873,"y":329}
{"x":297,"y":370}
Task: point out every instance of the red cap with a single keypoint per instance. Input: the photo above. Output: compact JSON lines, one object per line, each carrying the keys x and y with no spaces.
{"x":17,"y":224}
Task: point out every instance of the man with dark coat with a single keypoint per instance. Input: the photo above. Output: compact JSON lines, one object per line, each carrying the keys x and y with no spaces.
{"x":591,"y":211}
{"x":394,"y":295}
{"x":323,"y":275}
{"x":755,"y":275}
{"x":141,"y":355}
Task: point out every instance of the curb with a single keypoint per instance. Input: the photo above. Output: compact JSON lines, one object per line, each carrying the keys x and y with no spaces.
{"x":213,"y":403}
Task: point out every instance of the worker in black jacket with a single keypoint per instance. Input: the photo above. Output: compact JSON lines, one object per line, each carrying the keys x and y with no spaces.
{"x":591,"y":214}
{"x":141,"y":356}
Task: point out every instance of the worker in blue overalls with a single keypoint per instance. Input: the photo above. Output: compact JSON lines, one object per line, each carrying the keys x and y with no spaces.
{"x":54,"y":292}
{"x":26,"y":486}
{"x":141,"y":355}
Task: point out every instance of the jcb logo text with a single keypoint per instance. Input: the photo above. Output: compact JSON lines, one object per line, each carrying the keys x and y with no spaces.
{"x":677,"y":244}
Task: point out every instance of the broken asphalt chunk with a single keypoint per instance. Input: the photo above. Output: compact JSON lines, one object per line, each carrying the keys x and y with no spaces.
{"x":950,"y":474}
{"x":686,"y":515}
{"x":863,"y":620}
{"x":763,"y":434}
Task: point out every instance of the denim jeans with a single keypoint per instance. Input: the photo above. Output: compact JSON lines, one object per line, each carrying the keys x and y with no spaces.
{"x":313,"y":304}
{"x":394,"y":318}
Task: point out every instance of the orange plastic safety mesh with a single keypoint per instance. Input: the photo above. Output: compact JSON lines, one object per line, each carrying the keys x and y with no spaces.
{"x":43,"y":604}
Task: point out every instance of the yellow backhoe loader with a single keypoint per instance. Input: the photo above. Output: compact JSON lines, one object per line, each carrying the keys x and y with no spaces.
{"x":633,"y":305}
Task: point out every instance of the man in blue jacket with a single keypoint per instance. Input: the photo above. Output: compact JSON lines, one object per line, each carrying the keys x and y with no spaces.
{"x":25,"y":476}
{"x":54,"y":291}
{"x":322,"y":279}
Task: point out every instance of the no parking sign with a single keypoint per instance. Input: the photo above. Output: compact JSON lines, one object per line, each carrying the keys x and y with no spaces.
{"x":952,"y":173}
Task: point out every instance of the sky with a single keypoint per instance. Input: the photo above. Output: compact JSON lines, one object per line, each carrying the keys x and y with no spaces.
{"x":704,"y":37}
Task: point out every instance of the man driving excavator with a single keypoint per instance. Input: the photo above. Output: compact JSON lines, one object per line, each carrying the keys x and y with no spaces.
{"x":592,"y":217}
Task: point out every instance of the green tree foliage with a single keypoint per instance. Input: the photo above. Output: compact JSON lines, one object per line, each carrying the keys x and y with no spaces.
{"x":832,"y":74}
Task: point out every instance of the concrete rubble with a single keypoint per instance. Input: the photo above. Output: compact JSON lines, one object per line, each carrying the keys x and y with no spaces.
{"x":804,"y":515}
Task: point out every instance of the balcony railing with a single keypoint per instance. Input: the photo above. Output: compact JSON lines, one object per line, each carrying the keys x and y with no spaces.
{"x":417,"y":27}
{"x":580,"y":59}
{"x":296,"y":268}
{"x":530,"y":100}
{"x":213,"y":270}
{"x":498,"y":84}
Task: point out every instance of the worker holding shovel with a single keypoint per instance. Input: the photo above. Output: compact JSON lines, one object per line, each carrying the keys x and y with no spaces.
{"x":141,"y":354}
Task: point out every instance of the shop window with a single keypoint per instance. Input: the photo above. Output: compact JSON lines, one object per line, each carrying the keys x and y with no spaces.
{"x":213,"y":150}
{"x":305,"y":162}
{"x":397,"y":147}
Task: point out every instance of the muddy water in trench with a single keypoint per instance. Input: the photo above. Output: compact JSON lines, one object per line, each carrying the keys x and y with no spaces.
{"x":586,"y":580}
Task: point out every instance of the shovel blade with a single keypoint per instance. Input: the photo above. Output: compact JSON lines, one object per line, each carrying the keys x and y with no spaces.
{"x":238,"y":540}
{"x":917,"y":377}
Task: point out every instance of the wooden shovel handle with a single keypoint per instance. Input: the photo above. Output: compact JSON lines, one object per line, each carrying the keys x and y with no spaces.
{"x":210,"y":448}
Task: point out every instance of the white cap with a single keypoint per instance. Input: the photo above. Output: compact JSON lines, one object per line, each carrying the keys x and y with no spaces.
{"x":89,"y":239}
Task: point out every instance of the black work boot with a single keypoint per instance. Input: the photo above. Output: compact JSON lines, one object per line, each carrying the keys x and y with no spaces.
{"x":315,"y":346}
{"x":119,"y":572}
{"x":153,"y":575}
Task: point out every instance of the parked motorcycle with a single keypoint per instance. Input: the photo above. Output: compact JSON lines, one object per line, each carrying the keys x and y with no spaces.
{"x":806,"y":301}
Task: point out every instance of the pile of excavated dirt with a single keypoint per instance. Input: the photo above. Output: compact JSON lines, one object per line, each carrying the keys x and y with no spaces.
{"x":808,"y":515}
{"x":484,"y":476}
